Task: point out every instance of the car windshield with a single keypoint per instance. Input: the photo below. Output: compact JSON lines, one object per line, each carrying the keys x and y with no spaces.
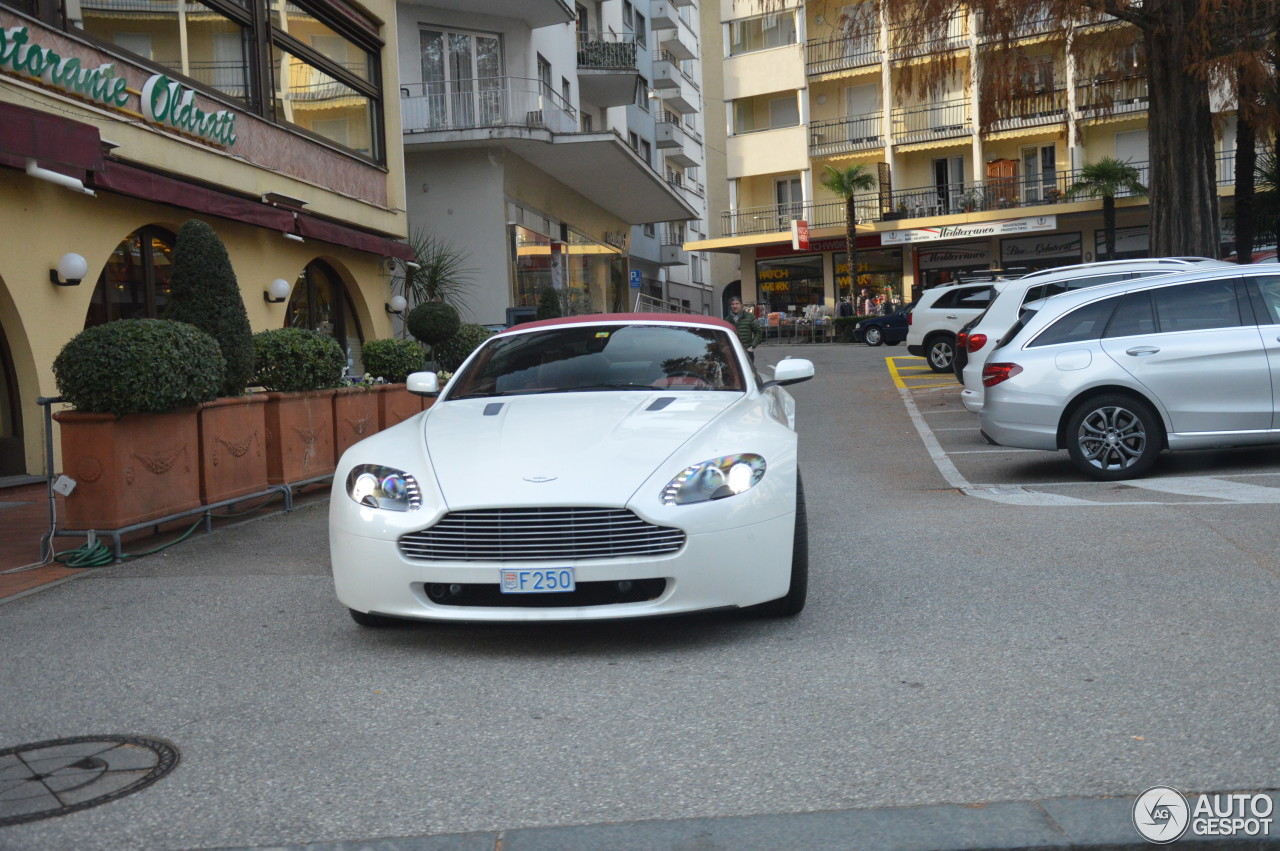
{"x":591,"y":358}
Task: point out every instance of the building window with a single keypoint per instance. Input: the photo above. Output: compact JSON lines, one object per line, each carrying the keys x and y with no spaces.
{"x":462,"y":78}
{"x":628,"y":15}
{"x":320,"y":302}
{"x":135,"y":282}
{"x":646,"y":152}
{"x":642,"y":93}
{"x":642,"y":25}
{"x":299,"y":63}
{"x":649,"y":229}
{"x":762,"y":33}
{"x":790,"y":284}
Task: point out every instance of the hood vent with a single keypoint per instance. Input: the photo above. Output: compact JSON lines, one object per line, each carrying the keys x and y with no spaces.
{"x":492,"y":409}
{"x":659,"y":404}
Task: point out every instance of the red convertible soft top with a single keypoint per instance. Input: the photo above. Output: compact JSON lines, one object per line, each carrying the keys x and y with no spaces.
{"x":615,"y":318}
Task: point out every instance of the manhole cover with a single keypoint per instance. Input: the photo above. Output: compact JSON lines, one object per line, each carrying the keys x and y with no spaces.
{"x":60,"y":776}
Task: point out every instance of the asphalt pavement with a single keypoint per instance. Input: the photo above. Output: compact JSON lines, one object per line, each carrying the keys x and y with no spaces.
{"x":969,"y":674}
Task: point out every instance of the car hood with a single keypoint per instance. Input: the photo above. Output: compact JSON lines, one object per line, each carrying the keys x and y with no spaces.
{"x":565,"y":448}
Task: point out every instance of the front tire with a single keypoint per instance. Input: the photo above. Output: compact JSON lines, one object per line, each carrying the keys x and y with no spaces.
{"x":793,"y":603}
{"x":1114,"y":437}
{"x":940,"y":351}
{"x":873,"y":336}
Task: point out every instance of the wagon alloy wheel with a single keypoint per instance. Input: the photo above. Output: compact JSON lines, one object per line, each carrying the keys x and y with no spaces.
{"x":873,"y":336}
{"x":941,"y":352}
{"x":1114,"y":437}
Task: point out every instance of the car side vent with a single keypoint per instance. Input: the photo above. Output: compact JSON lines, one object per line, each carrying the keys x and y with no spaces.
{"x":659,"y":404}
{"x":492,"y":409}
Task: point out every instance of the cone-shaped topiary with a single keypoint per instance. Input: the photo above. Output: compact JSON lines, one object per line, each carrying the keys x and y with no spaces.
{"x":139,"y":366}
{"x":452,"y":352}
{"x":433,"y":322}
{"x":294,"y":359}
{"x":548,"y":304}
{"x":392,"y":360}
{"x":203,"y":291}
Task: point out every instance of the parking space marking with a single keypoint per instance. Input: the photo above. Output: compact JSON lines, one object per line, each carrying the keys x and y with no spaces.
{"x":1210,"y":488}
{"x":900,"y":377}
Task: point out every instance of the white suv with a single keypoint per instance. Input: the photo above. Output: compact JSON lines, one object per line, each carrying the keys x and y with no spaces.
{"x":940,"y":313}
{"x":1005,"y":308}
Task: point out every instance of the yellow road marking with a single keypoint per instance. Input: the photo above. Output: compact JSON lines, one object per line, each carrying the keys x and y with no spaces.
{"x":900,"y":377}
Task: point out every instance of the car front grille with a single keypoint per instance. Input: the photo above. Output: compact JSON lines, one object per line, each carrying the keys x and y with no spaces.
{"x":540,"y":534}
{"x":585,"y":594}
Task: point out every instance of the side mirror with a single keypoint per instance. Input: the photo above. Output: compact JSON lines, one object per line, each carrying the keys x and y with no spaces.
{"x":423,"y":384}
{"x":790,"y":371}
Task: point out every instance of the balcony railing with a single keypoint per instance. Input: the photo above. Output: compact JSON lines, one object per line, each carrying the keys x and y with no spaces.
{"x":826,"y":56}
{"x":607,"y":51}
{"x":685,"y":183}
{"x":940,"y":38}
{"x":845,"y":135}
{"x":484,"y":102}
{"x":944,"y":120}
{"x":1009,"y":193}
{"x":669,"y":117}
{"x":1030,"y":110}
{"x":678,"y":64}
{"x":1114,"y":97}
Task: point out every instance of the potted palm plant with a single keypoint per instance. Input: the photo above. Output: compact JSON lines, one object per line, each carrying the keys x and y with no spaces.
{"x":130,"y":442}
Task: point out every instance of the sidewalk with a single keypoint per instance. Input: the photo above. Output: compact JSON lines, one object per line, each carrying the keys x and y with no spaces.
{"x":24,"y":519}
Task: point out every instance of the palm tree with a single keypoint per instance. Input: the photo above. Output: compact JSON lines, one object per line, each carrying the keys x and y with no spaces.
{"x":441,"y":272}
{"x":1107,"y":177}
{"x":847,"y":183}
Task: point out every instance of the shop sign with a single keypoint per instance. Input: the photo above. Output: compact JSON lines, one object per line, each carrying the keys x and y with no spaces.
{"x":955,"y":257}
{"x":1059,"y":246}
{"x":969,"y":231}
{"x":1129,"y":241}
{"x":163,"y":101}
{"x":799,"y":234}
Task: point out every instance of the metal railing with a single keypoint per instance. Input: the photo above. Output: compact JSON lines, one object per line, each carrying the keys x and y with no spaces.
{"x":665,"y":56}
{"x":684,"y":182}
{"x":942,"y":120}
{"x":607,"y":51}
{"x":844,"y":135}
{"x":941,"y":36}
{"x":1112,"y":96}
{"x":825,"y":56}
{"x":669,"y":117}
{"x":484,"y":102}
{"x":1029,"y":110}
{"x":1005,"y":193}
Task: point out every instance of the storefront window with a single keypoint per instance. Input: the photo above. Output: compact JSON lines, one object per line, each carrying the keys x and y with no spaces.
{"x":597,"y":275}
{"x":316,"y":101}
{"x":879,"y":278}
{"x":533,"y":268}
{"x":320,"y":302}
{"x":789,"y":285}
{"x":135,"y":282}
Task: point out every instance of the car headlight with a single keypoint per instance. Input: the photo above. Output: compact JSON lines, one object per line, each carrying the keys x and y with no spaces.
{"x":383,"y":487}
{"x":714,"y":479}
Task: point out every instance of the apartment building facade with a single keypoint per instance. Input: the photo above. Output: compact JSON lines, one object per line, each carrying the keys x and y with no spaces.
{"x":533,"y":145}
{"x":965,"y":181}
{"x":122,"y":119}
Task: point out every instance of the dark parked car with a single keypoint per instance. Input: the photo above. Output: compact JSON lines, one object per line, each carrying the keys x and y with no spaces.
{"x":890,"y":330}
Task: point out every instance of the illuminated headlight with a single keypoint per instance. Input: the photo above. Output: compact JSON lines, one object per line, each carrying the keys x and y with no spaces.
{"x":383,"y":487}
{"x":714,"y":479}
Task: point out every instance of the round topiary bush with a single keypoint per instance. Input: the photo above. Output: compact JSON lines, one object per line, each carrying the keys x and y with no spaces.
{"x":392,"y":360}
{"x":139,"y":366}
{"x":451,"y":353}
{"x":294,"y":359}
{"x":433,"y":322}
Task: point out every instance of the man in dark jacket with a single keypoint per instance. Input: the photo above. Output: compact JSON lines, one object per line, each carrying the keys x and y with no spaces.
{"x":748,"y":329}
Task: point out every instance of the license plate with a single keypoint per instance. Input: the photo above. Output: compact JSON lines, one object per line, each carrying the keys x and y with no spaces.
{"x":542,"y":580}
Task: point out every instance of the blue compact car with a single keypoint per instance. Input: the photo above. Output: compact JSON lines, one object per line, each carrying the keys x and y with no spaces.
{"x":890,"y":330}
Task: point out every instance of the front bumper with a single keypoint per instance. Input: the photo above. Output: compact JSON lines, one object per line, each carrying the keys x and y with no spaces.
{"x":732,"y":568}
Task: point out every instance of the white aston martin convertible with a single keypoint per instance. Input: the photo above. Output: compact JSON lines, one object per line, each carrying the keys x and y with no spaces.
{"x":592,"y":467}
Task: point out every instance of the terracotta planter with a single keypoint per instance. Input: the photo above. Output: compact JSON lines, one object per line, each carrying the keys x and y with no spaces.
{"x":129,"y":469}
{"x":355,"y":417}
{"x":299,"y":436}
{"x":396,"y":404}
{"x":233,"y":457}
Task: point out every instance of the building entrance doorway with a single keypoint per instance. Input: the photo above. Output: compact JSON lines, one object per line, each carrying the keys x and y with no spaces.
{"x":13,"y":461}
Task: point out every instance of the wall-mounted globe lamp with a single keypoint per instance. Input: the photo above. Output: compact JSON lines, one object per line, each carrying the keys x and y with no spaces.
{"x":277,"y":291}
{"x":397,"y":305}
{"x":70,"y":271}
